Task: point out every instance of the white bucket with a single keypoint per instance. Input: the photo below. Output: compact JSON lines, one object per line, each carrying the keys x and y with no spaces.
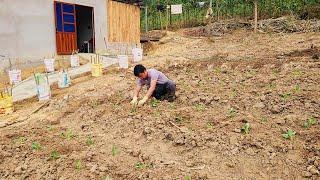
{"x":15,"y":76}
{"x":74,"y":61}
{"x":137,"y":54}
{"x":123,"y":61}
{"x":49,"y":64}
{"x":64,"y":80}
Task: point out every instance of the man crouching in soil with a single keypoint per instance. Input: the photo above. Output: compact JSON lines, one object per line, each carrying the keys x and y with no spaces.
{"x":159,"y":86}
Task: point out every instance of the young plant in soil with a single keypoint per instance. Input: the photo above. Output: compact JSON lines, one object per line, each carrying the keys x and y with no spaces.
{"x":114,"y":150}
{"x":272,"y":85}
{"x":285,"y":96}
{"x":296,"y":88}
{"x":54,"y":155}
{"x":246,"y":128}
{"x":78,"y":164}
{"x":89,"y":141}
{"x":94,"y":104}
{"x":199,"y":107}
{"x":264,"y":120}
{"x":36,"y":146}
{"x":209,"y":125}
{"x":155,"y":103}
{"x":68,"y":134}
{"x":297,"y":73}
{"x":19,"y":140}
{"x":231,"y":113}
{"x":178,"y":119}
{"x":140,"y":165}
{"x":188,"y":177}
{"x":50,"y":128}
{"x":289,"y":134}
{"x":310,"y":122}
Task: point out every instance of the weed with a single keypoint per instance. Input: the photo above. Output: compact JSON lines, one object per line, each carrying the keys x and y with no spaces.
{"x":156,"y":114}
{"x":172,"y":106}
{"x":285,"y":96}
{"x":264,"y":120}
{"x":107,"y":178}
{"x":36,"y":146}
{"x":89,"y":141}
{"x":209,"y":125}
{"x":178,"y":119}
{"x":78,"y":164}
{"x":246,"y":128}
{"x":272,"y":85}
{"x":296,"y":88}
{"x":140,"y":165}
{"x":20,"y":140}
{"x":234,"y":93}
{"x":297,"y":72}
{"x":50,"y":128}
{"x":188,"y":177}
{"x":54,"y":154}
{"x":217,"y":70}
{"x":199,"y":107}
{"x":310,"y":122}
{"x":133,"y":109}
{"x":232,"y":113}
{"x":68,"y":134}
{"x":155,"y":103}
{"x":289,"y":134}
{"x":275,"y":72}
{"x":94,"y":104}
{"x":114,"y":150}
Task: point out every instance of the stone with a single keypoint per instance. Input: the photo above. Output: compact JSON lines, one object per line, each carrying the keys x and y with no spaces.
{"x":313,"y":170}
{"x":306,"y":174}
{"x":276,"y":109}
{"x":18,"y":170}
{"x":259,"y":105}
{"x":280,"y":121}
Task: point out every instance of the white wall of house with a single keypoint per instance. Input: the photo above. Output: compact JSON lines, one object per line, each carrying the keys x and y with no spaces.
{"x":27,"y":28}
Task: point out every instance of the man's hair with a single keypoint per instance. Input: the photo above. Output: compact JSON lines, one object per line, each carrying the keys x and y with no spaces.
{"x":138,"y":69}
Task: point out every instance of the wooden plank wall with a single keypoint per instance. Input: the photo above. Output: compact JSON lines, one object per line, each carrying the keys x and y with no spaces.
{"x":123,"y":22}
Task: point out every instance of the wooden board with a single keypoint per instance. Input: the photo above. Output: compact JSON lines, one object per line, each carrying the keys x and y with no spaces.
{"x":123,"y":22}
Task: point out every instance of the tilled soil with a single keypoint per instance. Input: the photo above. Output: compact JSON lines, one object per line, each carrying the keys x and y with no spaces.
{"x":90,"y":131}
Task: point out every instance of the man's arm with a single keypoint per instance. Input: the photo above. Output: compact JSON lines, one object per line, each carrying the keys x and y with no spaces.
{"x":149,"y":93}
{"x":137,"y":91}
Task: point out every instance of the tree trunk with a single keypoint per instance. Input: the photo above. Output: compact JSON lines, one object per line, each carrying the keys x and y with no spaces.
{"x":255,"y":15}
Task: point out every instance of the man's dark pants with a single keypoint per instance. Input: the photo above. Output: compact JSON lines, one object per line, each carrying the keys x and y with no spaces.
{"x":165,"y":91}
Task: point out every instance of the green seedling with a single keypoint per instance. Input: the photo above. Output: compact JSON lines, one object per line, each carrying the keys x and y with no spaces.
{"x":234,"y":93}
{"x":296,"y":88}
{"x":36,"y":146}
{"x":133,"y":109}
{"x":172,"y":106}
{"x":50,"y":128}
{"x":155,"y":103}
{"x":68,"y":134}
{"x":272,"y":85}
{"x":285,"y":96}
{"x":114,"y":150}
{"x":217,"y":70}
{"x":289,"y":134}
{"x":140,"y":165}
{"x":232,"y":113}
{"x":78,"y":164}
{"x":199,"y":107}
{"x":246,"y":128}
{"x":89,"y":141}
{"x":94,"y":103}
{"x":188,"y":177}
{"x":264,"y":119}
{"x":107,"y":178}
{"x":209,"y":125}
{"x":310,"y":122}
{"x":297,"y":72}
{"x":178,"y":119}
{"x":275,"y":72}
{"x":20,"y":140}
{"x":54,"y":154}
{"x":156,"y":114}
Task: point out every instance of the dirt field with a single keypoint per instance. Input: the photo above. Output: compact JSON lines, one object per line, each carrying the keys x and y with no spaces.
{"x":247,"y":108}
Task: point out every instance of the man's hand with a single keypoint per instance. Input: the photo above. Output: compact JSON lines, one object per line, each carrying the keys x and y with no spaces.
{"x":134,"y":100}
{"x":144,"y":100}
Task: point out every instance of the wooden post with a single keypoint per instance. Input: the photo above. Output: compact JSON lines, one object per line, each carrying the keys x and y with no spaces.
{"x":255,"y":15}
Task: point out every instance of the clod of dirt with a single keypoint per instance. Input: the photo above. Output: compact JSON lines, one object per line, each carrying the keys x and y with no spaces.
{"x":306,"y":174}
{"x":276,"y":109}
{"x":313,"y":170}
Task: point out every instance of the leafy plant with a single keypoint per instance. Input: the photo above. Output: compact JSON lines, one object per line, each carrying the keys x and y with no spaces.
{"x":310,"y":122}
{"x":178,"y":119}
{"x":297,"y":72}
{"x":188,"y":177}
{"x":289,"y":134}
{"x":78,"y":164}
{"x":94,"y":103}
{"x":114,"y":150}
{"x":272,"y":85}
{"x":107,"y":178}
{"x":89,"y":141}
{"x":140,"y":165}
{"x":155,"y":103}
{"x":264,"y":119}
{"x":199,"y":107}
{"x":20,"y":140}
{"x":209,"y":125}
{"x":246,"y":128}
{"x":232,"y":113}
{"x":285,"y":96}
{"x":296,"y":88}
{"x":55,"y":154}
{"x":133,"y":109}
{"x":50,"y":128}
{"x":68,"y":134}
{"x":36,"y":146}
